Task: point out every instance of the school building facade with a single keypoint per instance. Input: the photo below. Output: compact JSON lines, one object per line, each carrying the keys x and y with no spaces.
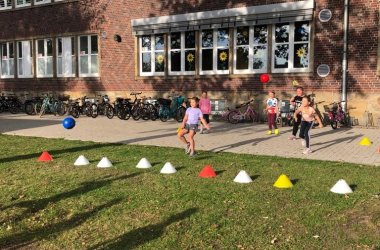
{"x":79,"y":47}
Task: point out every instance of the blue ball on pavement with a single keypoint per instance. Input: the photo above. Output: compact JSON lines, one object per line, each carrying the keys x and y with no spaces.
{"x":68,"y":123}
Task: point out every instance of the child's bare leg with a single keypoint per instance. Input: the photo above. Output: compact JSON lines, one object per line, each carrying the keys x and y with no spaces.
{"x":191,"y":140}
{"x":181,"y":136}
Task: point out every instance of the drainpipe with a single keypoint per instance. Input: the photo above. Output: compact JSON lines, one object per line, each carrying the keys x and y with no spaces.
{"x":344,"y":64}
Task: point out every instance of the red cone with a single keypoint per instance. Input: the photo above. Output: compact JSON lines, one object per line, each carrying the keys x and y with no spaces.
{"x":45,"y":156}
{"x":207,"y":172}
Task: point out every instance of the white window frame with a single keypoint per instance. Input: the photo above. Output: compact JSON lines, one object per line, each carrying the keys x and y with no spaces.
{"x":36,"y":2}
{"x":45,"y":57}
{"x":24,"y":3}
{"x":183,"y":50}
{"x":153,"y":52}
{"x":65,"y":57}
{"x":27,"y":58}
{"x":8,"y":59}
{"x":6,"y":6}
{"x":215,"y":48}
{"x":89,"y":56}
{"x":251,"y":46}
{"x":291,"y":43}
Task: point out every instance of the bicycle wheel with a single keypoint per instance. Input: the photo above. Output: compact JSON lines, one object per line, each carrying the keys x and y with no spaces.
{"x":334,"y":124}
{"x":234,"y":117}
{"x":145,"y":114}
{"x":37,"y":107}
{"x":180,"y":114}
{"x":29,"y":108}
{"x":154,"y":114}
{"x":43,"y":109}
{"x":109,"y":111}
{"x":74,"y":112}
{"x":94,"y":110}
{"x":164,"y":114}
{"x":62,"y":109}
{"x":13,"y":108}
{"x":135,"y":112}
{"x":279,"y":121}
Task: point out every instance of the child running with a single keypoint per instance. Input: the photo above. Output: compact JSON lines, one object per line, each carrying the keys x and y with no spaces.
{"x":272,"y":110}
{"x":190,"y":126}
{"x":308,"y":117}
{"x":205,"y":107}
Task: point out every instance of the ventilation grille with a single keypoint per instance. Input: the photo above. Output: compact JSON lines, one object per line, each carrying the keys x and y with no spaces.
{"x":325,"y":15}
{"x":323,"y":70}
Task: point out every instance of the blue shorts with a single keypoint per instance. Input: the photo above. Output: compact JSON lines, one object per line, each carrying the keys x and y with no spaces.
{"x":193,"y":127}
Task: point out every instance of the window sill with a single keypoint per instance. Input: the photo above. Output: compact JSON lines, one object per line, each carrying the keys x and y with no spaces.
{"x":24,"y":7}
{"x":55,"y":79}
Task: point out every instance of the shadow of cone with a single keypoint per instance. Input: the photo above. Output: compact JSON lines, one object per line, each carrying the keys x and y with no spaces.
{"x":207,"y":172}
{"x":45,"y":156}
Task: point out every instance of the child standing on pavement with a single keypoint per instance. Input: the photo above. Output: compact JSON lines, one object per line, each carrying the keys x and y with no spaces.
{"x":308,"y":115}
{"x":272,"y":110}
{"x":205,"y":107}
{"x":190,"y":126}
{"x":297,"y":103}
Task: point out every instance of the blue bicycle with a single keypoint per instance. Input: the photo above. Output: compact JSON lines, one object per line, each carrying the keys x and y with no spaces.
{"x":172,"y":108}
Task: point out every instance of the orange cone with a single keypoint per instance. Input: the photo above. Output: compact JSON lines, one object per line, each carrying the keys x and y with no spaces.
{"x":378,"y":150}
{"x":207,"y":172}
{"x":45,"y":156}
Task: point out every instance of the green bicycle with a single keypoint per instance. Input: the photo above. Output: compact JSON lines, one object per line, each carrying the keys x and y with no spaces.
{"x":51,"y":105}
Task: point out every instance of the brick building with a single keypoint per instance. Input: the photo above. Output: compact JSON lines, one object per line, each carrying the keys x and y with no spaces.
{"x":118,"y":46}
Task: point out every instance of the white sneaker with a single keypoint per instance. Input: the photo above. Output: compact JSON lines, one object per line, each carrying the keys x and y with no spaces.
{"x":201,"y":130}
{"x":303,"y":142}
{"x":187,"y":148}
{"x":307,"y":151}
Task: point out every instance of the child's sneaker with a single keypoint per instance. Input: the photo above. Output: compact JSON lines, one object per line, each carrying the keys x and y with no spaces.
{"x":187,"y":148}
{"x":307,"y":151}
{"x":269,"y":132}
{"x":192,"y":154}
{"x":292,"y":138}
{"x":276,"y":132}
{"x":303,"y":143}
{"x":201,"y":130}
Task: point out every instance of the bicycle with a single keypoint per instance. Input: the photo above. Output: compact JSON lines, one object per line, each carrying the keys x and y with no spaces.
{"x":33,"y":106}
{"x":285,"y":116}
{"x":122,"y":108}
{"x":237,"y":115}
{"x":172,"y":108}
{"x":10,"y":103}
{"x":337,"y":117}
{"x":103,"y":107}
{"x":49,"y":104}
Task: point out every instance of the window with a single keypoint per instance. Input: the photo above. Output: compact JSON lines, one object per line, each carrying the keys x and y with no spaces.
{"x":37,"y":2}
{"x":5,"y":4}
{"x":251,"y":49}
{"x":22,"y":3}
{"x":214,"y":52}
{"x":182,"y":53}
{"x":291,"y":46}
{"x":88,"y":56}
{"x":66,"y":63}
{"x":24,"y":59}
{"x":152,"y":55}
{"x":44,"y":57}
{"x":7,"y":60}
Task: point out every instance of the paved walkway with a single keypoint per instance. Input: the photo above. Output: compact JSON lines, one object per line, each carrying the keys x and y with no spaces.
{"x":338,"y":145}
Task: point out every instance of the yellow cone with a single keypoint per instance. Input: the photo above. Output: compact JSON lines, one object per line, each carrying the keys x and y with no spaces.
{"x":283,"y":182}
{"x":365,"y":142}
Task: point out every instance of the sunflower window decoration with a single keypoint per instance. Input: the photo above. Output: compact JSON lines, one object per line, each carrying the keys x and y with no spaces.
{"x":223,"y":56}
{"x":190,"y":60}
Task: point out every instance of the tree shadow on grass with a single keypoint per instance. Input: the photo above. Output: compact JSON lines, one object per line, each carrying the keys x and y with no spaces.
{"x":140,"y":236}
{"x":26,"y":237}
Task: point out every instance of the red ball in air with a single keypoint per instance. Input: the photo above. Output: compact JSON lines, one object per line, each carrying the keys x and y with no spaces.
{"x":264,"y":78}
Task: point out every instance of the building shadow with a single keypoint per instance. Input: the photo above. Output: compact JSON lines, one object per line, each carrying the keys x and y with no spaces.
{"x":333,"y":143}
{"x":253,"y":142}
{"x":9,"y":125}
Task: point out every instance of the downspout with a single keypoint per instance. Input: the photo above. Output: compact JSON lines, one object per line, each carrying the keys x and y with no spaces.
{"x":345,"y":63}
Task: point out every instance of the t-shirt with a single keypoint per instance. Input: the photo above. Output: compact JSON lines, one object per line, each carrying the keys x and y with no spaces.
{"x":205,"y":105}
{"x":193,"y":115}
{"x":298,"y":101}
{"x":272,"y":105}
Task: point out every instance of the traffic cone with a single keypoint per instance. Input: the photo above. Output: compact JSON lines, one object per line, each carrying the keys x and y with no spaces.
{"x":283,"y":182}
{"x":207,"y":172}
{"x":341,"y":187}
{"x":81,"y":161}
{"x":144,"y":163}
{"x":243,"y":177}
{"x":104,"y":163}
{"x":168,"y":169}
{"x":365,"y":142}
{"x":45,"y":156}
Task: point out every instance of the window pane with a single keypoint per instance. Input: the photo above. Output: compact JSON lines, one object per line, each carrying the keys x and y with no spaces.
{"x":146,"y":62}
{"x":94,"y":45}
{"x":282,"y":33}
{"x":19,"y":50}
{"x":175,"y":40}
{"x":146,"y":43}
{"x":41,"y":66}
{"x":49,"y":44}
{"x":59,"y":41}
{"x":83,"y":64}
{"x":4,"y":51}
{"x":175,"y":60}
{"x":223,"y":55}
{"x":72,"y":46}
{"x":261,"y":34}
{"x":301,"y":31}
{"x":242,"y":36}
{"x":190,"y":60}
{"x":11,"y":51}
{"x":301,"y":55}
{"x":83,"y":45}
{"x":20,"y":72}
{"x":11,"y":67}
{"x":59,"y":62}
{"x":260,"y":57}
{"x":94,"y":64}
{"x":207,"y":59}
{"x":160,"y":42}
{"x":4,"y":68}
{"x":281,"y":56}
{"x":73,"y":65}
{"x":223,"y":38}
{"x":242,"y":58}
{"x":190,"y":39}
{"x":40,"y":48}
{"x":207,"y":38}
{"x":49,"y":66}
{"x":160,"y":62}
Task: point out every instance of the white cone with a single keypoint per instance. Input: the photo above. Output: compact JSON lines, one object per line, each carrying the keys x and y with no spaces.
{"x":143,"y":163}
{"x":341,"y":187}
{"x":168,"y":169}
{"x":242,"y":177}
{"x":81,"y":161}
{"x":104,"y":163}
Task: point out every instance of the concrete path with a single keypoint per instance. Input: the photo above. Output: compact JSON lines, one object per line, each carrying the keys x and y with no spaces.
{"x":327,"y":144}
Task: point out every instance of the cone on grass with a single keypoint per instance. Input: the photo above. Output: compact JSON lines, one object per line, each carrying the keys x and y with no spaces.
{"x":365,"y":142}
{"x":207,"y":172}
{"x":341,"y":187}
{"x":81,"y":161}
{"x":243,"y":177}
{"x":283,"y":182}
{"x":104,"y":163}
{"x":168,"y":169}
{"x":143,"y":163}
{"x":45,"y":156}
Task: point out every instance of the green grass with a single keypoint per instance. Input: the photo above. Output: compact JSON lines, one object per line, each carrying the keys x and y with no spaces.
{"x":58,"y":206}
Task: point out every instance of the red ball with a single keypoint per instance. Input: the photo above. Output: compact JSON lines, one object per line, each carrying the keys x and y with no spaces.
{"x":264,"y":78}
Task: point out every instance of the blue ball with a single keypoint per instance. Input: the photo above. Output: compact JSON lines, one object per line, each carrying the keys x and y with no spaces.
{"x":68,"y":123}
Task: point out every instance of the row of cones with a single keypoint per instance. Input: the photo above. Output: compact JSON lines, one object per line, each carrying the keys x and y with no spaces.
{"x":283,"y":182}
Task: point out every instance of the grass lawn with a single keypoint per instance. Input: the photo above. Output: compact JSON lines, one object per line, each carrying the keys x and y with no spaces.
{"x":58,"y":206}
